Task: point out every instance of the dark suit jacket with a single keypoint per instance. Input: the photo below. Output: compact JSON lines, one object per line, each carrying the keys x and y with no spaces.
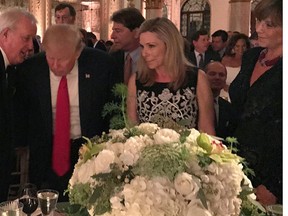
{"x":34,"y":113}
{"x":226,"y":122}
{"x":100,"y":46}
{"x":118,"y":57}
{"x":209,"y":56}
{"x":4,"y":133}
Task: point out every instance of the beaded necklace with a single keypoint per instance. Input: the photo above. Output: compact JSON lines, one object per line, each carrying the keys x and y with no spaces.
{"x":265,"y":62}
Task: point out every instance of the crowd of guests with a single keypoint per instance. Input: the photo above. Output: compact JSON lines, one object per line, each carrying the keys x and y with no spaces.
{"x":223,"y":87}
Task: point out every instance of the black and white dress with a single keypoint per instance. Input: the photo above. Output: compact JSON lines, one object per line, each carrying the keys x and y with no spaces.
{"x":160,"y":100}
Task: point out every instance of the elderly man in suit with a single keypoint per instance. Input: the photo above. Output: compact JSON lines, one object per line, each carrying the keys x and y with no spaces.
{"x":17,"y":29}
{"x":217,"y":74}
{"x":61,"y":96}
{"x":200,"y":54}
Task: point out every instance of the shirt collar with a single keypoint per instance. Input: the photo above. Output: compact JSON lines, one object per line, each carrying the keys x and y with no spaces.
{"x":6,"y":61}
{"x":134,"y":54}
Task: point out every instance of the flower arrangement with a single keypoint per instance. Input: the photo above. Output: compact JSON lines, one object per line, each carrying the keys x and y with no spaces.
{"x":158,"y":171}
{"x":149,"y":170}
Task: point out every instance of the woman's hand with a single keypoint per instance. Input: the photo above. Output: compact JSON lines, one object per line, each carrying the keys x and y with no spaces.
{"x":264,"y":196}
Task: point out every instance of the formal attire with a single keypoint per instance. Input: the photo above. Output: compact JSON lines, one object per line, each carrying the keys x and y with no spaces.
{"x":119,"y":57}
{"x":259,"y":130}
{"x":36,"y":99}
{"x":100,"y":45}
{"x":225,"y":122}
{"x":6,"y":142}
{"x":208,"y":56}
{"x":159,"y":100}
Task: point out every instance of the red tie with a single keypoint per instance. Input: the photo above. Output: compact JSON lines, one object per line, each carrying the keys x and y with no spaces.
{"x":127,"y":68}
{"x":61,"y":144}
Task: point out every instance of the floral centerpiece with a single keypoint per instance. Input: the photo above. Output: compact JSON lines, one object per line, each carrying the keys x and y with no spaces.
{"x":151,"y":170}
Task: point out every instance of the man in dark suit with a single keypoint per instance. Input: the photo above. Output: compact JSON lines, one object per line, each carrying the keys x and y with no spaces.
{"x":14,"y":50}
{"x":97,"y":44}
{"x":225,"y":124}
{"x":200,"y":42}
{"x":126,"y":23}
{"x":88,"y":73}
{"x":219,"y":42}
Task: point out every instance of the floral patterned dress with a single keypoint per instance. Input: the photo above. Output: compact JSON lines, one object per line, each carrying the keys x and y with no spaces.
{"x":159,"y":101}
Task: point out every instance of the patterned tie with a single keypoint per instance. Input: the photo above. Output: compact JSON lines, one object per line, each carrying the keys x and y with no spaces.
{"x":61,"y":144}
{"x":201,"y":61}
{"x":127,"y":68}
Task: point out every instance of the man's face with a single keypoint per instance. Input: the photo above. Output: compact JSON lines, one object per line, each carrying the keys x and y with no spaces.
{"x":17,"y":42}
{"x":217,"y":43}
{"x":217,"y":75}
{"x":64,"y":17}
{"x":202,"y":44}
{"x":124,"y":39}
{"x":61,"y":59}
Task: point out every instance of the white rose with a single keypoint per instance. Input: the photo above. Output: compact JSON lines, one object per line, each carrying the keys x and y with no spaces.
{"x":186,"y":186}
{"x":103,"y":161}
{"x":164,"y":136}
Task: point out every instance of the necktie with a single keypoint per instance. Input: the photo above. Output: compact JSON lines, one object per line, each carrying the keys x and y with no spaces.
{"x":201,"y":61}
{"x":61,"y":142}
{"x":127,"y":68}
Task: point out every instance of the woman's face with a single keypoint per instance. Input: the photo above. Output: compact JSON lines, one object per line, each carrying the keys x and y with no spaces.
{"x":153,"y":50}
{"x":240,"y":47}
{"x":269,"y":36}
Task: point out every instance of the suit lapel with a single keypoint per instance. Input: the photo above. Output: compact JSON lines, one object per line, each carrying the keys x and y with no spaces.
{"x":43,"y":82}
{"x":85,"y":93}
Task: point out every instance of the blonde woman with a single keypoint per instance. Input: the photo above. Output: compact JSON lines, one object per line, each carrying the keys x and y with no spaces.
{"x":167,"y":84}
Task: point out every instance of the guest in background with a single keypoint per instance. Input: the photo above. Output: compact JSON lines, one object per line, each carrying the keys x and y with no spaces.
{"x":15,"y":24}
{"x":87,"y":74}
{"x":166,"y":84}
{"x":201,"y":55}
{"x":254,"y":39}
{"x":224,"y":124}
{"x":232,"y":60}
{"x":126,"y":23}
{"x":108,"y":45}
{"x":65,"y":14}
{"x":219,"y":42}
{"x":97,"y":44}
{"x":256,"y":93}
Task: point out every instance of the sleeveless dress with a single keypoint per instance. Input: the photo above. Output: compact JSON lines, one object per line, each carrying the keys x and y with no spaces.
{"x":160,"y":100}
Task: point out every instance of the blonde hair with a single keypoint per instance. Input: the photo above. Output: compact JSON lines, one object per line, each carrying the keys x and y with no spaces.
{"x":175,"y":61}
{"x":63,"y":35}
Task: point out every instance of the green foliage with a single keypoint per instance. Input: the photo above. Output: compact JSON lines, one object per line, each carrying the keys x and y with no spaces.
{"x":109,"y":183}
{"x":80,"y":194}
{"x":232,"y":141}
{"x":204,"y":159}
{"x":160,"y":160}
{"x":117,"y":111}
{"x":184,"y":134}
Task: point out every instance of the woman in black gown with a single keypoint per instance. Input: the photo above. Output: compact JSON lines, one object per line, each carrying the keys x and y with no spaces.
{"x":256,"y":93}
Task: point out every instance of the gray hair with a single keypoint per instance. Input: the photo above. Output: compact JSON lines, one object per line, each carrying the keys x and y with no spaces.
{"x":11,"y":16}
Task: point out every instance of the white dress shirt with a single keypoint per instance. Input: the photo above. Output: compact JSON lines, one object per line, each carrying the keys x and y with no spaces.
{"x":73,"y":90}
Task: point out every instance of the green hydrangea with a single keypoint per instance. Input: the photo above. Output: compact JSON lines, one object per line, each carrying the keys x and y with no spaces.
{"x":160,"y":160}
